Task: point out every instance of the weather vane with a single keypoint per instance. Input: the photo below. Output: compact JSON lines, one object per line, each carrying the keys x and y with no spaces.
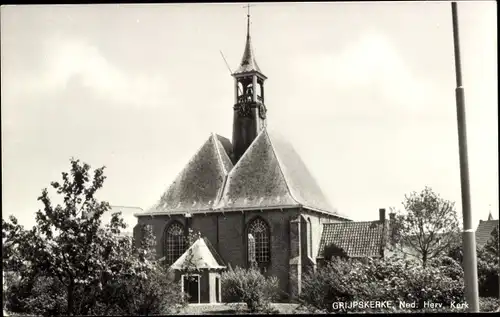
{"x":248,"y":8}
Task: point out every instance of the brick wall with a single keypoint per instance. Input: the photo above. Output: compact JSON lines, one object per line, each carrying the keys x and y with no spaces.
{"x":227,"y":233}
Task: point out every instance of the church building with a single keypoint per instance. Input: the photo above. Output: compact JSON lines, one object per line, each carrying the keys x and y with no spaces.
{"x":251,"y":198}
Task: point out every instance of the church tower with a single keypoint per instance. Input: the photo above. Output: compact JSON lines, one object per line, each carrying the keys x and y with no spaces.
{"x":249,"y":108}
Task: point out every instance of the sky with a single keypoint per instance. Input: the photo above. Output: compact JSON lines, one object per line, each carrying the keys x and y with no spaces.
{"x":364,"y":91}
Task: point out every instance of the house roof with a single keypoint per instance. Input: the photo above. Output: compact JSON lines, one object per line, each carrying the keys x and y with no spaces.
{"x":199,"y":256}
{"x":198,"y":185}
{"x":357,"y":239}
{"x":270,"y":174}
{"x":483,"y":232}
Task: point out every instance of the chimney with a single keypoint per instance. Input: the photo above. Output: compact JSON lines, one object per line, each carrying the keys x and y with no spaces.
{"x":381,"y":212}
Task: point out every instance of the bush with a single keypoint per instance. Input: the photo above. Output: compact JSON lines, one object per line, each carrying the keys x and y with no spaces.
{"x":487,"y":272}
{"x":340,"y":280}
{"x":37,"y":295}
{"x":134,"y":296}
{"x":16,"y":294}
{"x":251,"y":287}
{"x":488,"y":304}
{"x":449,"y":267}
{"x":47,"y":297}
{"x":383,"y":280}
{"x":155,"y":294}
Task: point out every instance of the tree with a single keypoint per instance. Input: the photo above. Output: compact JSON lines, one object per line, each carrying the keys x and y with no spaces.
{"x":333,"y":251}
{"x":492,"y":246}
{"x":429,"y":227}
{"x":69,"y":244}
{"x":488,"y":266}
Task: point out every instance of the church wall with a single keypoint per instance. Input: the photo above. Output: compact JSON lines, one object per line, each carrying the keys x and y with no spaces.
{"x":206,"y":224}
{"x":279,"y":222}
{"x":227,"y":233}
{"x":317,"y":221}
{"x":230,"y":238}
{"x":159,"y":224}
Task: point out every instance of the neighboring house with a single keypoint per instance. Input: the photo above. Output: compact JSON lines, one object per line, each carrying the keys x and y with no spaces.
{"x":255,"y":184}
{"x":484,"y":230}
{"x":357,"y":239}
{"x":361,"y":239}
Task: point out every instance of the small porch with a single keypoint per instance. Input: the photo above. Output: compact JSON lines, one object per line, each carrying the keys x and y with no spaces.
{"x":199,"y":272}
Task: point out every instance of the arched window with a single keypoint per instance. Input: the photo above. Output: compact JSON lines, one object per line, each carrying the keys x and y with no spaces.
{"x":174,"y":242}
{"x":260,"y":232}
{"x":309,"y":238}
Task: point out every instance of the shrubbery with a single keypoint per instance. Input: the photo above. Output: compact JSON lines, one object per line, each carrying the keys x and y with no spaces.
{"x":487,"y":265}
{"x":132,"y":296}
{"x":383,"y":280}
{"x":250,"y":287}
{"x":489,"y":304}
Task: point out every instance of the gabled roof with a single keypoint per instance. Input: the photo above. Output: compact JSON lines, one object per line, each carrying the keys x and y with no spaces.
{"x":271,"y":174}
{"x":483,"y":232}
{"x":198,"y":185}
{"x":199,"y":256}
{"x":357,"y":239}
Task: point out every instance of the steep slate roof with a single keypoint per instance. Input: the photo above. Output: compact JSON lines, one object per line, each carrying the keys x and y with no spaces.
{"x":483,"y":232}
{"x":198,"y":185}
{"x":200,"y":256}
{"x":271,"y":174}
{"x":358,"y":239}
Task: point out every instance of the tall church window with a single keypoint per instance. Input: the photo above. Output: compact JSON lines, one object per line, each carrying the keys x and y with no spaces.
{"x":260,"y":233}
{"x":174,"y":242}
{"x":309,"y":238}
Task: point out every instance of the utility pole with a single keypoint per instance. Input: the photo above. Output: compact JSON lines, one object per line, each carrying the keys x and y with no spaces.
{"x":468,"y":236}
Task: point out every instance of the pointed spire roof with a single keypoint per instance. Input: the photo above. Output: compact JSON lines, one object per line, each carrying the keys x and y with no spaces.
{"x":248,"y":62}
{"x":200,"y":255}
{"x":490,"y":217}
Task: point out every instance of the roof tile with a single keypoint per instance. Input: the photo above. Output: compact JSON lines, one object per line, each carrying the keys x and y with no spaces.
{"x":200,"y":182}
{"x":358,"y":239}
{"x":483,"y":232}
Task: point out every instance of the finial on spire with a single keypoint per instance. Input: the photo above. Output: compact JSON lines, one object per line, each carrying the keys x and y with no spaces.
{"x":248,"y":17}
{"x":248,"y":63}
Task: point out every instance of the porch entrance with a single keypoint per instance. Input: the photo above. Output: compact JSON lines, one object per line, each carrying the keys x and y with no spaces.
{"x":191,"y":286}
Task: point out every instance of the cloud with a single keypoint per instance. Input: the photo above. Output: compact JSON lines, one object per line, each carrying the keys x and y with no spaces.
{"x":65,"y":59}
{"x":373,"y":64}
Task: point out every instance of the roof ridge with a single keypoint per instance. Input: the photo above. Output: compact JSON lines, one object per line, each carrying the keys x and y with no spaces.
{"x":264,"y":130}
{"x":235,"y":167}
{"x":220,"y":194}
{"x":353,"y":222}
{"x":214,"y":252}
{"x":215,"y":139}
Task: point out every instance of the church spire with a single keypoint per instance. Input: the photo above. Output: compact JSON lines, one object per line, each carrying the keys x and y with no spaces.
{"x":248,"y":62}
{"x":249,"y":109}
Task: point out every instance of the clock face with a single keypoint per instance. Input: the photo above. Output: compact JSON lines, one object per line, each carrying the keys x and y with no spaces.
{"x":262,"y":111}
{"x":244,"y":110}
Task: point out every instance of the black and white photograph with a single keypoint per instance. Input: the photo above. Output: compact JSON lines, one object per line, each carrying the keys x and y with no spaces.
{"x":249,"y":158}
